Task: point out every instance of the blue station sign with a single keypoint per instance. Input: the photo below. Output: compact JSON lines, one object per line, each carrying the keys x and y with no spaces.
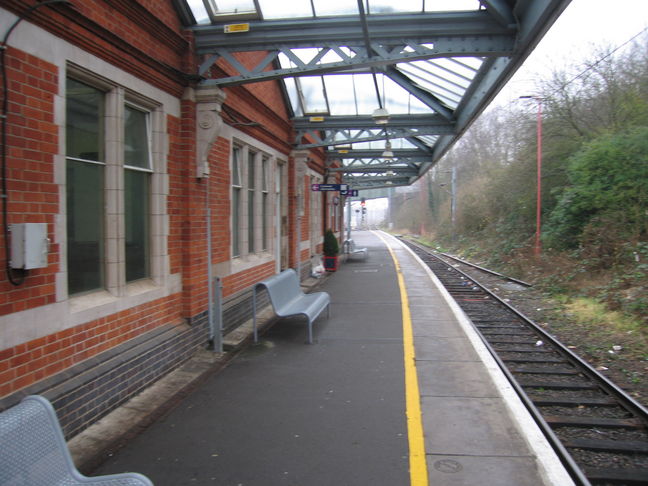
{"x":329,"y":187}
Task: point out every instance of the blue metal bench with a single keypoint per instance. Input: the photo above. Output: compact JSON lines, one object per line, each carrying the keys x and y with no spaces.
{"x":351,"y":249}
{"x":34,"y":452}
{"x":288,"y":300}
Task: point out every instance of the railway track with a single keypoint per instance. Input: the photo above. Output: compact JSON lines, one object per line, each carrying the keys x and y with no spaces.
{"x":599,"y":431}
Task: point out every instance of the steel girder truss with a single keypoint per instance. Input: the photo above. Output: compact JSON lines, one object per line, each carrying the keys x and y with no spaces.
{"x":368,"y":168}
{"x":501,"y":35}
{"x":394,"y":39}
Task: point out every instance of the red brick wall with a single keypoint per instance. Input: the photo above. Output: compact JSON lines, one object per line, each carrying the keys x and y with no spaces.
{"x":149,"y":44}
{"x":244,"y":280}
{"x":274,"y":128}
{"x":27,"y":363}
{"x":220,"y":204}
{"x":32,"y":142}
{"x":177,"y":170}
{"x":32,"y":139}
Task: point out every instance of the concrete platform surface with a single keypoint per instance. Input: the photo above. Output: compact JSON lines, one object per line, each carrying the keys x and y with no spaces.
{"x":334,"y":413}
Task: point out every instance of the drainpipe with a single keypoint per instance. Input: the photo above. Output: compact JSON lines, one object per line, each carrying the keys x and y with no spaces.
{"x":301,"y":160}
{"x":348,"y":218}
{"x":209,"y":103}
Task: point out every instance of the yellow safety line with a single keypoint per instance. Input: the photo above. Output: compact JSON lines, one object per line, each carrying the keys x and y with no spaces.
{"x":417,"y":462}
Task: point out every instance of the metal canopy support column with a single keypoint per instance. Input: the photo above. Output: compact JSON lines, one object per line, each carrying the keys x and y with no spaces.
{"x":301,"y":160}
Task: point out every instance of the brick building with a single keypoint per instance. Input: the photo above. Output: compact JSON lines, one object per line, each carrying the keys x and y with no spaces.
{"x":148,"y":184}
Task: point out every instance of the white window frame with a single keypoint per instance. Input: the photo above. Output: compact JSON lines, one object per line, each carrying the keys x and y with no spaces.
{"x":265,"y":203}
{"x":237,"y":188}
{"x":253,"y":198}
{"x":116,"y":98}
{"x":252,"y":206}
{"x":148,"y":170}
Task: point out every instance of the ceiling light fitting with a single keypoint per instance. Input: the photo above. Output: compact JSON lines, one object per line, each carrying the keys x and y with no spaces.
{"x":388,"y":154}
{"x":380,"y":116}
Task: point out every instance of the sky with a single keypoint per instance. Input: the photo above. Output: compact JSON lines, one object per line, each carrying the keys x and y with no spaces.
{"x":583,"y":25}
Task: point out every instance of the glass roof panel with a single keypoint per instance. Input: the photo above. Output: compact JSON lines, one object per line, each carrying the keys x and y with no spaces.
{"x":447,"y":79}
{"x":324,"y":8}
{"x":398,"y":101}
{"x":279,"y":9}
{"x":233,"y":6}
{"x":313,"y":97}
{"x":344,"y":101}
{"x":450,"y":5}
{"x":366,"y":98}
{"x":430,"y":140}
{"x":199,"y":11}
{"x":291,"y":87}
{"x":355,"y":94}
{"x":377,"y":7}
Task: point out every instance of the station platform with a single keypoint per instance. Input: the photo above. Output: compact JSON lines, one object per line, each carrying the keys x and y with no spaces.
{"x":397,"y":389}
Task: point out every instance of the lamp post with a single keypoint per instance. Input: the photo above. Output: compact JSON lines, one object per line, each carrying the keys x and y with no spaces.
{"x":453,"y":199}
{"x":537,"y":247}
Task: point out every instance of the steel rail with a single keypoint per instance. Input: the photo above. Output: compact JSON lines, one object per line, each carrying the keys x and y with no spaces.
{"x":487,"y":270}
{"x":483,"y":269}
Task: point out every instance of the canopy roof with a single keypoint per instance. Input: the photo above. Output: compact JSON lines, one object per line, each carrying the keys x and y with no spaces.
{"x":433,"y":65}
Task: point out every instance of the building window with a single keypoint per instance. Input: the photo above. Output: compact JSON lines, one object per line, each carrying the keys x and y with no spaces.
{"x":137,"y":174}
{"x":264,"y":202}
{"x":109,"y":168}
{"x":251,"y":200}
{"x":236,"y":201}
{"x":251,"y":209}
{"x":85,"y":186}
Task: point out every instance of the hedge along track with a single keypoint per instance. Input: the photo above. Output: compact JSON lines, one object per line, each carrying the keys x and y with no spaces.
{"x":599,"y":432}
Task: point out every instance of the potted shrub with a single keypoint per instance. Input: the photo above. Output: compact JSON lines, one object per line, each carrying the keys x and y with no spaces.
{"x":331,"y":249}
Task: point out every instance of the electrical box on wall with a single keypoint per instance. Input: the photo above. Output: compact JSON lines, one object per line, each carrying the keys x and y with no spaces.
{"x":29,"y":245}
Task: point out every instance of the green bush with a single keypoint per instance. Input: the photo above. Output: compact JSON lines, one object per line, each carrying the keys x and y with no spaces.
{"x":607,"y":193}
{"x":331,"y":246}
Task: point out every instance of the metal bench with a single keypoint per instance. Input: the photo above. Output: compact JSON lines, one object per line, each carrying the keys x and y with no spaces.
{"x":34,"y":452}
{"x":351,"y":249}
{"x":288,"y":300}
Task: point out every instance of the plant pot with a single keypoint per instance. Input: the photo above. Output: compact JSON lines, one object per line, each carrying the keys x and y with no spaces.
{"x":330,"y":263}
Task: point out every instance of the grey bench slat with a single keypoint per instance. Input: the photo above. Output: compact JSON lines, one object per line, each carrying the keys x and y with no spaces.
{"x":351,"y":248}
{"x":288,"y":300}
{"x":34,"y":451}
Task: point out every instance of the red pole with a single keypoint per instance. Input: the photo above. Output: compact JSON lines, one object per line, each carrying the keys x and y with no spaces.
{"x":537,"y":248}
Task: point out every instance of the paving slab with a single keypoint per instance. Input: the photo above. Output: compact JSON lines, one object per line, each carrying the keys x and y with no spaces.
{"x":455,"y":379}
{"x":477,"y":471}
{"x":470,"y":426}
{"x":444,"y":349}
{"x":435,"y":326}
